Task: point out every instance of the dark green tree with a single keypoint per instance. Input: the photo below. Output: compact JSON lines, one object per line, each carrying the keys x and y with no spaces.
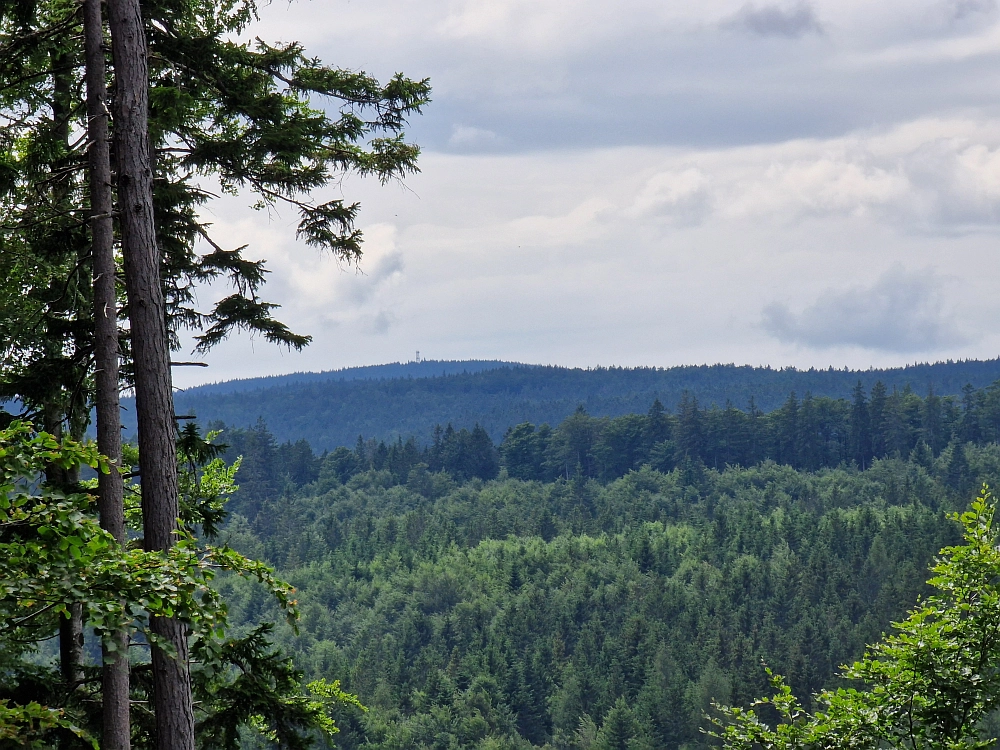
{"x":689,"y":435}
{"x":878,"y":418}
{"x":521,"y":452}
{"x":861,"y":427}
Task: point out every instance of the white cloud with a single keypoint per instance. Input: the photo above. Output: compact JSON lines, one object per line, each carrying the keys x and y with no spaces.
{"x":930,"y":175}
{"x":900,"y":312}
{"x":465,"y":136}
{"x":663,"y":256}
{"x":630,"y":183}
{"x":377,"y":324}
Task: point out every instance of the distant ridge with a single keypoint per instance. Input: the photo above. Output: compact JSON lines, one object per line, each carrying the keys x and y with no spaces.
{"x":389,"y":401}
{"x":425,"y":368}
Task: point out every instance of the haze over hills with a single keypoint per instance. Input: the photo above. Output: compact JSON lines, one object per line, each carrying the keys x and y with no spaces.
{"x":401,"y":399}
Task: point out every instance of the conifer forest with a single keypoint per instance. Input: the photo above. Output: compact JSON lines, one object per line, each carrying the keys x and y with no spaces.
{"x":453,"y":555}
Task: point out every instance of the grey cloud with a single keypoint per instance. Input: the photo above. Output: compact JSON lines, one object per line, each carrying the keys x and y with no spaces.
{"x":685,"y":197}
{"x":387,"y":265}
{"x":678,"y":84}
{"x":379,"y":324}
{"x":951,"y":186}
{"x":773,"y":20}
{"x":962,"y":9}
{"x":901,"y":312}
{"x":363,"y":288}
{"x":644,"y":80}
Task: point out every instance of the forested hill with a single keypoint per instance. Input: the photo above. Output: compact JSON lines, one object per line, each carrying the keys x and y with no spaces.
{"x":579,"y":615}
{"x":404,"y":401}
{"x":426,"y":368}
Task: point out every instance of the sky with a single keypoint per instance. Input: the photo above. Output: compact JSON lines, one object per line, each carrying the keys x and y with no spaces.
{"x":651,"y":182}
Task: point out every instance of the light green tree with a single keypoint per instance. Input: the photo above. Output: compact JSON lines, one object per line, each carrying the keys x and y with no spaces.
{"x":55,"y":552}
{"x":930,"y":684}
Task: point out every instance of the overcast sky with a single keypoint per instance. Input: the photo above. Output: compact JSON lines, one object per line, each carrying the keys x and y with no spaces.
{"x":642,"y":182}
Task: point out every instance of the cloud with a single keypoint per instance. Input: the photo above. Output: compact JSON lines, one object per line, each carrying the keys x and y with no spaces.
{"x":318,"y":284}
{"x":631,"y":182}
{"x":962,"y":9}
{"x":378,"y":324}
{"x":685,"y":196}
{"x":467,"y":137}
{"x":383,"y":268}
{"x":820,"y":184}
{"x":954,"y":183}
{"x":551,"y":74}
{"x":901,"y":312}
{"x":588,"y":257}
{"x":927,"y":176}
{"x":772,"y":20}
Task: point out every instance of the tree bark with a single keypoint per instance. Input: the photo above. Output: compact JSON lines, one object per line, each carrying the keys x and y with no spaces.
{"x":71,"y":646}
{"x":151,"y":356}
{"x":116,"y":730}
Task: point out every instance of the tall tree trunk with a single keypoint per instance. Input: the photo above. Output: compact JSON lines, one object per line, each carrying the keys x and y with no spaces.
{"x":115,"y":733}
{"x":151,"y":355}
{"x":71,"y":646}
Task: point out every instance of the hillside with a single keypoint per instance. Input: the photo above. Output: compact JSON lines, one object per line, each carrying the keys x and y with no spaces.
{"x":332,"y":409}
{"x":596,"y":584}
{"x":519,"y":615}
{"x":427,"y":368}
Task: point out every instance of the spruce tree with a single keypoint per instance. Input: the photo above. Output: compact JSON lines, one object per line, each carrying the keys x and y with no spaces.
{"x":214,"y":108}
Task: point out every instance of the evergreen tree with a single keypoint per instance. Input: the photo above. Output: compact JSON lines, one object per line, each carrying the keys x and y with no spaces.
{"x":619,"y":730}
{"x":259,"y":475}
{"x":786,"y":450}
{"x":657,"y":428}
{"x":689,"y":435}
{"x":932,"y":431}
{"x":756,"y":430}
{"x":958,"y":475}
{"x":861,"y":427}
{"x":571,"y":447}
{"x":811,"y":453}
{"x":620,"y":446}
{"x":968,"y":428}
{"x":736,"y":433}
{"x":521,"y":453}
{"x":878,"y":417}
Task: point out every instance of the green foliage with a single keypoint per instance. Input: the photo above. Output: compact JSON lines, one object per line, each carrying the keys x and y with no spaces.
{"x":30,"y":725}
{"x":205,"y":481}
{"x":810,"y":434}
{"x":927,"y":685}
{"x":246,"y":683}
{"x":518,"y":613}
{"x":55,"y":554}
{"x":392,"y":401}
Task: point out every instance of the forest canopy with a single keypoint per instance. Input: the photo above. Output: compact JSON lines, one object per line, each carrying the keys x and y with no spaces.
{"x":389,"y":401}
{"x":566,"y":613}
{"x":806,"y":433}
